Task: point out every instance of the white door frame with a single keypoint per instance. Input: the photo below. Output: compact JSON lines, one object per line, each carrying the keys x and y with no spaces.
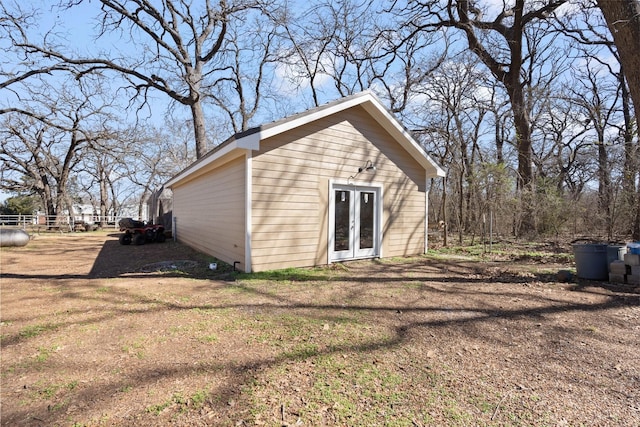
{"x":354,"y":251}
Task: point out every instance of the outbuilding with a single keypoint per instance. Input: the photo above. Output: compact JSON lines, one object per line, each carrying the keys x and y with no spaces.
{"x":338,"y":182}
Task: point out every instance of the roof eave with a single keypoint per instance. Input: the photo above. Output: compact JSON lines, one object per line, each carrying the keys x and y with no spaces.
{"x":403,"y":137}
{"x":223,"y":150}
{"x":250,"y":140}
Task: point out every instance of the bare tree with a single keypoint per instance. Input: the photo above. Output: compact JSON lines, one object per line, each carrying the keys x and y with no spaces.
{"x":599,"y":104}
{"x":353,"y":47}
{"x":452,"y":124}
{"x":178,"y":47}
{"x":338,"y":46}
{"x":94,"y":172}
{"x":361,"y":56}
{"x":42,"y":140}
{"x":503,"y":45}
{"x":591,"y":34}
{"x":305,"y":60}
{"x":102,"y":167}
{"x":157,"y":158}
{"x":250,"y":49}
{"x":15,"y":69}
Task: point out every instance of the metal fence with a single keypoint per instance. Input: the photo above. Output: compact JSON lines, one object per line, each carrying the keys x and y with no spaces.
{"x":59,"y":223}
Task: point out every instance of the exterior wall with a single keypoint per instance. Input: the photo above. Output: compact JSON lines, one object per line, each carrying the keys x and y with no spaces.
{"x":290,"y":189}
{"x":209,"y":211}
{"x":404,"y":219}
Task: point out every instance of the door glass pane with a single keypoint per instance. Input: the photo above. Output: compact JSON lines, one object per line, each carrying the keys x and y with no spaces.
{"x":367,"y":203}
{"x":342,"y":221}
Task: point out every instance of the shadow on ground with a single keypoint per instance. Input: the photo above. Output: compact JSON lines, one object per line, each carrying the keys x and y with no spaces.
{"x":170,"y":259}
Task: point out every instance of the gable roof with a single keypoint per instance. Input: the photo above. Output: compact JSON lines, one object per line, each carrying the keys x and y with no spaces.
{"x":250,"y":139}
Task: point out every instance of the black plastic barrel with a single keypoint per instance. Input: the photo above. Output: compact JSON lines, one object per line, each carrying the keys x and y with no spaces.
{"x":591,"y":261}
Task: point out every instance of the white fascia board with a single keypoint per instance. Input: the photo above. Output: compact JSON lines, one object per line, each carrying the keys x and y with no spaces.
{"x":252,"y":141}
{"x":248,"y":170}
{"x":306,"y":118}
{"x":368,"y":101}
{"x":203,"y":164}
{"x":391,"y":125}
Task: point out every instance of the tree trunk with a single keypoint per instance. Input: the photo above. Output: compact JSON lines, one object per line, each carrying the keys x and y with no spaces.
{"x":60,"y":201}
{"x":511,"y":79}
{"x":623,"y":19}
{"x":499,"y":141}
{"x":141,"y":203}
{"x":444,"y":211}
{"x":199,"y":128}
{"x":47,"y":203}
{"x":604,"y":186}
{"x":114,"y":209}
{"x":460,"y":203}
{"x":45,"y":196}
{"x":522,"y":124}
{"x":104,"y":197}
{"x":636,"y":222}
{"x":630,"y":168}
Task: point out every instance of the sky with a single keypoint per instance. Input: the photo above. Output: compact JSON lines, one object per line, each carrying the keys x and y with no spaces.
{"x":79,"y":27}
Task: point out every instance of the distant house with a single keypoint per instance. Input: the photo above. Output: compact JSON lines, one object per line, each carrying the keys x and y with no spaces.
{"x":84,"y":212}
{"x":338,"y":182}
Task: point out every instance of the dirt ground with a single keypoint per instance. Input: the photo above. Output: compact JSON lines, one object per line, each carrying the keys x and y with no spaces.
{"x":94,"y":333}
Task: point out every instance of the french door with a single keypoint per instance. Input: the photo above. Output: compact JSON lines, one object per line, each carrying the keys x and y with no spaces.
{"x":354,"y":222}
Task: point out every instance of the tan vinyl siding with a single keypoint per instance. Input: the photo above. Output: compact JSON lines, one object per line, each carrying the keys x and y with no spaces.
{"x":404,"y":211}
{"x":210,"y":212}
{"x":290,"y":187}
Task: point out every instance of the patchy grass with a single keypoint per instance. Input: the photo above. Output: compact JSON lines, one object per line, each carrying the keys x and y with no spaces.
{"x":550,"y":252}
{"x":32,"y":331}
{"x":288,"y":275}
{"x":431,"y":340}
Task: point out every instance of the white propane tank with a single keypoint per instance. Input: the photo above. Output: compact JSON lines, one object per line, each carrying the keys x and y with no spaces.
{"x":12,"y":237}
